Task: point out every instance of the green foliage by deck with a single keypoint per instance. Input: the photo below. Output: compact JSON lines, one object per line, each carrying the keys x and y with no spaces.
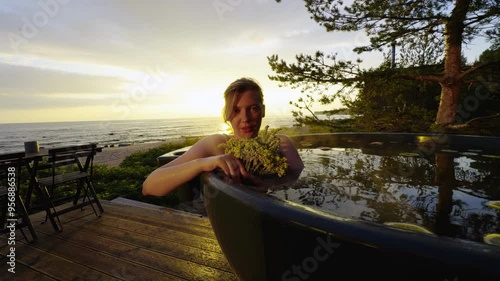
{"x":126,"y":180}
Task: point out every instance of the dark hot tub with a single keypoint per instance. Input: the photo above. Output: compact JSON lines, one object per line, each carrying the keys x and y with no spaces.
{"x":265,"y":237}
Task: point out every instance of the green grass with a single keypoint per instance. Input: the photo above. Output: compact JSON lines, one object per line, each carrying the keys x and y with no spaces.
{"x":126,"y":180}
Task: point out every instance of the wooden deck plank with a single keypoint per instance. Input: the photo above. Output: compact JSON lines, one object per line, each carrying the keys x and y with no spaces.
{"x":149,"y":226}
{"x":85,"y":228}
{"x":207,"y":244}
{"x":138,"y":256}
{"x":153,"y":221}
{"x":98,"y":255}
{"x":54,"y":266}
{"x":125,"y":243}
{"x":183,"y":225}
{"x":208,"y":258}
{"x":21,"y":272}
{"x":162,"y":213}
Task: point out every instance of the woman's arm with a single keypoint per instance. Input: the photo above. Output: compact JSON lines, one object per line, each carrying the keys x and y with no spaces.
{"x":203,"y":156}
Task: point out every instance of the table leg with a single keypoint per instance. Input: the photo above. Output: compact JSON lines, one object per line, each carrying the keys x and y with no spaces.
{"x":43,"y":194}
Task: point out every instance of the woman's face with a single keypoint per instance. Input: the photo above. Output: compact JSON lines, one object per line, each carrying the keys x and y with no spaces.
{"x":247,"y":115}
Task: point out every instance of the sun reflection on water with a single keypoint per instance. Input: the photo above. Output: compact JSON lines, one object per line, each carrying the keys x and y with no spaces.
{"x":225,"y":128}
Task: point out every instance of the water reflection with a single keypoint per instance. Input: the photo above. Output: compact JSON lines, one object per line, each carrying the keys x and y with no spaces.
{"x":445,"y":192}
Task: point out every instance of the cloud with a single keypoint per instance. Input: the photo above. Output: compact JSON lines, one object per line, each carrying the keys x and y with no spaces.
{"x":297,"y":32}
{"x":27,"y":80}
{"x":251,"y":42}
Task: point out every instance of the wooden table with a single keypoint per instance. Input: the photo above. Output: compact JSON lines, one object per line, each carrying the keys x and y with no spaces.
{"x":32,"y":161}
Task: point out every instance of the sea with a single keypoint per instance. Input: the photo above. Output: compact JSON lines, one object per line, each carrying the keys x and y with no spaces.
{"x":118,"y":132}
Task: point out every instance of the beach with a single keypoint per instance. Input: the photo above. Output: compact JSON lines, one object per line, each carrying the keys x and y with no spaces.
{"x":113,"y":156}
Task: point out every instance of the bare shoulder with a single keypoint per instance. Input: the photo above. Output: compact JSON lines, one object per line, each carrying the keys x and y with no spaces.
{"x":208,"y":146}
{"x":289,"y":150}
{"x":284,"y":138}
{"x":215,"y":139}
{"x":286,"y":144}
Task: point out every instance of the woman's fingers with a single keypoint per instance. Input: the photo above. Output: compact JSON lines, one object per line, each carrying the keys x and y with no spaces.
{"x":229,"y":164}
{"x":243,"y":171}
{"x":232,"y":166}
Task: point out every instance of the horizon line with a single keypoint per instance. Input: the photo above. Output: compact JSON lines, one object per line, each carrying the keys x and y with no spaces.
{"x":138,"y":119}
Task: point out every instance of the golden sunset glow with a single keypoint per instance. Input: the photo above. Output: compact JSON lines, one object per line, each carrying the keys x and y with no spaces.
{"x":120,"y":60}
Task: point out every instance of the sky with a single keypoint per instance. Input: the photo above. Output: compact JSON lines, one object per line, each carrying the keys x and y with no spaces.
{"x":70,"y":60}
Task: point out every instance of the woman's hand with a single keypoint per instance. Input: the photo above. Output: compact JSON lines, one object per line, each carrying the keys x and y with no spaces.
{"x":229,"y":164}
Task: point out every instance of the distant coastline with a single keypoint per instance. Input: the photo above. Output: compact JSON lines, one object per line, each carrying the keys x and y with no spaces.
{"x":116,"y":133}
{"x":333,"y":112}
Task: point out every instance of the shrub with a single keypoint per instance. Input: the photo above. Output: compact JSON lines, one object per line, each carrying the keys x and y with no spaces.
{"x":126,"y":180}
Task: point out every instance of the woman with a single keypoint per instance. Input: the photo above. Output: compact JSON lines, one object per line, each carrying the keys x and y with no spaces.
{"x":244,"y":109}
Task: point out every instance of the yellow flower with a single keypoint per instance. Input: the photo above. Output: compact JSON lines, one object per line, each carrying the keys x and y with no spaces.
{"x":261,"y":155}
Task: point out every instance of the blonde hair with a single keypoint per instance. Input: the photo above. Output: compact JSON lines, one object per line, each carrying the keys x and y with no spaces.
{"x":240,"y":86}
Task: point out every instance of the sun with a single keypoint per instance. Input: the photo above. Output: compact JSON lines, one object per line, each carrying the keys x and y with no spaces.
{"x":225,"y":128}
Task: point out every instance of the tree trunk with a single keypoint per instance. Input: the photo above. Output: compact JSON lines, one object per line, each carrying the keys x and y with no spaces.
{"x":451,"y":83}
{"x":448,"y":103}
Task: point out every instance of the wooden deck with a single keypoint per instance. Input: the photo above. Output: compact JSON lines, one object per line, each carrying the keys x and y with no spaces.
{"x":125,"y":243}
